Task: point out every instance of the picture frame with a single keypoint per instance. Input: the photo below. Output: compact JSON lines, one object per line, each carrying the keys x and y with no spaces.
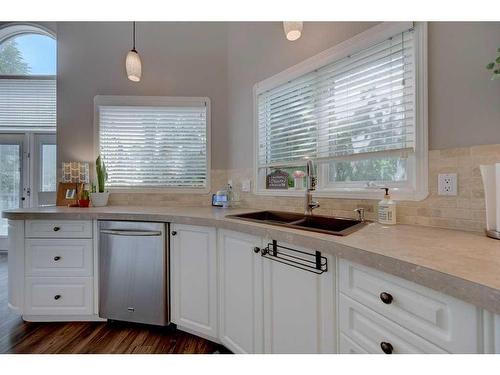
{"x":68,"y":193}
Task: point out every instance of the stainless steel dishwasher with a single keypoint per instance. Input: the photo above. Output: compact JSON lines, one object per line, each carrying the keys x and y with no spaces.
{"x":133,"y":272}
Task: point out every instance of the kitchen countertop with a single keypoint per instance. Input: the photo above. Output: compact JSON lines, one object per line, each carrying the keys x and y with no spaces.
{"x":465,"y":265}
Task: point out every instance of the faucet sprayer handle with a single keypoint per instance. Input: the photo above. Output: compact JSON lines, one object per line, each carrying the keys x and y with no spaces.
{"x":361,"y":213}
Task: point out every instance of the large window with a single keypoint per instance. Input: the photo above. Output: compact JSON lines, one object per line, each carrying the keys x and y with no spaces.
{"x":154,"y":142}
{"x":358,"y":110}
{"x":27,"y":118}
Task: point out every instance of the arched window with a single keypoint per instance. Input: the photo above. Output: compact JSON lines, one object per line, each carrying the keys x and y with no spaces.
{"x":27,"y":117}
{"x":27,"y":79}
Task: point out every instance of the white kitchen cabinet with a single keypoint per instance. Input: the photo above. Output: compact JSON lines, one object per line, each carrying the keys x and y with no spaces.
{"x":58,"y":228}
{"x":444,"y":321}
{"x":240,"y":291}
{"x":299,"y":314}
{"x":376,"y":334}
{"x":58,"y":257}
{"x":51,"y":270}
{"x":193,"y":254}
{"x":58,"y":296}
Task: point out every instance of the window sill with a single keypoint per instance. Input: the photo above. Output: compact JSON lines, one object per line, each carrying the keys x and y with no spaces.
{"x":397,"y":194}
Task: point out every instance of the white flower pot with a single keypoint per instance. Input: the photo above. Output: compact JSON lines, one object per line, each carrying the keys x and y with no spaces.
{"x":99,"y":199}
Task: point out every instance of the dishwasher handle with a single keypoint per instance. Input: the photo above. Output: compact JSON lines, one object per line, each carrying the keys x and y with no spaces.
{"x":134,"y":233}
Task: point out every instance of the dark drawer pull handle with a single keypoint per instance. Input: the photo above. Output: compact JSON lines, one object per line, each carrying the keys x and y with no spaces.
{"x":57,"y":258}
{"x":57,"y":296}
{"x":174,"y":233}
{"x":56,"y":229}
{"x":386,"y":298}
{"x":387,"y":348}
{"x":256,"y":250}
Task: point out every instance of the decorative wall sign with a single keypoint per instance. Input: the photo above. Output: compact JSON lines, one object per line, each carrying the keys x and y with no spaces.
{"x":68,"y":193}
{"x":277,"y":180}
{"x":75,"y":171}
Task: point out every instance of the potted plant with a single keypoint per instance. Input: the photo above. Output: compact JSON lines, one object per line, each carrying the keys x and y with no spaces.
{"x":84,"y":199}
{"x":100,"y":198}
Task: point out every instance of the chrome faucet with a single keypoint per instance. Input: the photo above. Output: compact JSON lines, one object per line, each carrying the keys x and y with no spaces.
{"x":309,"y":204}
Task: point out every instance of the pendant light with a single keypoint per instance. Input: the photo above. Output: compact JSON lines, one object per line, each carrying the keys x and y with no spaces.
{"x":133,"y":62}
{"x":293,"y":30}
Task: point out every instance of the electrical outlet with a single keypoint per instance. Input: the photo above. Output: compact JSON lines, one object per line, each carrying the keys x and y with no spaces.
{"x":447,"y":184}
{"x":246,"y":186}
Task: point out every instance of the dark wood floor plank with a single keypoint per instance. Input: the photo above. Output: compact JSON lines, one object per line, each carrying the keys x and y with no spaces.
{"x":17,"y":336}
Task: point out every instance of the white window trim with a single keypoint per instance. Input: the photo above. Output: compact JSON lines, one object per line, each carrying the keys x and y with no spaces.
{"x":361,"y":41}
{"x":104,"y":100}
{"x":12,"y":29}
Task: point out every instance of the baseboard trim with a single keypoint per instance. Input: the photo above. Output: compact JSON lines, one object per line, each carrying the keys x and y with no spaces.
{"x":63,"y":318}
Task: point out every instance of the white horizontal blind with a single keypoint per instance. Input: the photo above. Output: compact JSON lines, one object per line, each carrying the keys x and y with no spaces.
{"x":146,"y":146}
{"x":363,"y":103}
{"x":27,"y":104}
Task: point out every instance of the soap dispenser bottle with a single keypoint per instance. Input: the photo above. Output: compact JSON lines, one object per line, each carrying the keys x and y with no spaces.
{"x":387,"y":209}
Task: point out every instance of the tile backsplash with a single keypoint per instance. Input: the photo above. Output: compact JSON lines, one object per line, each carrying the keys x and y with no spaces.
{"x":466,"y":211}
{"x":218,"y":179}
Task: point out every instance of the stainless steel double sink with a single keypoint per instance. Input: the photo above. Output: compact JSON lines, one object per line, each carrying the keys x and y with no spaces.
{"x":314,"y":223}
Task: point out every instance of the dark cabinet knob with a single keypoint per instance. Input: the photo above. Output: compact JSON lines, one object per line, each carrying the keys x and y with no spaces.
{"x":57,"y":296}
{"x":386,"y":298}
{"x":174,"y":233}
{"x":387,"y":348}
{"x":256,"y":250}
{"x":56,"y":229}
{"x":57,"y":258}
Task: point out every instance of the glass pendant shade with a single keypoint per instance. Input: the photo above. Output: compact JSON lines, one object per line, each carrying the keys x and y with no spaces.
{"x":134,"y":66}
{"x":293,"y":30}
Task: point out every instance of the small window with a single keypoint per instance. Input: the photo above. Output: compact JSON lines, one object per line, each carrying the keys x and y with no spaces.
{"x":27,"y":79}
{"x":154,"y":142}
{"x":356,"y":110}
{"x":28,"y":54}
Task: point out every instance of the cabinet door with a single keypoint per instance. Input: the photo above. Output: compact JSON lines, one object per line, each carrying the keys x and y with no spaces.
{"x":194,"y":279}
{"x":240,"y":292}
{"x":299,"y":312}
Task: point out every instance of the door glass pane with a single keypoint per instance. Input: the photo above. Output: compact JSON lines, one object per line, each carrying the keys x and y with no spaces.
{"x":48,"y":165}
{"x":10,"y":178}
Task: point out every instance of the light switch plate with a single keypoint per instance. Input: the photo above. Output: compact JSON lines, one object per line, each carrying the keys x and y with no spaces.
{"x":246,"y":186}
{"x":447,"y":184}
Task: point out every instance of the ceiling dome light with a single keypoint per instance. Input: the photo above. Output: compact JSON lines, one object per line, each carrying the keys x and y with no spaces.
{"x":133,"y":62}
{"x":293,"y":30}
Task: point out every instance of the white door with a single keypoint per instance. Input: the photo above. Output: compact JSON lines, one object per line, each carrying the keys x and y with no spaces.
{"x":194,"y":280}
{"x":299,"y":315}
{"x":240,"y":291}
{"x":12,"y":168}
{"x":44,"y":171}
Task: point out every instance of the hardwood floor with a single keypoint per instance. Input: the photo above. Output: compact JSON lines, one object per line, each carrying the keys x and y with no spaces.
{"x":17,"y":336}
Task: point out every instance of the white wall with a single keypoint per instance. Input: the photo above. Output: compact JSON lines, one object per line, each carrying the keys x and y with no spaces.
{"x":464,"y":105}
{"x":179,"y":59}
{"x":224,"y":60}
{"x":258,"y":50}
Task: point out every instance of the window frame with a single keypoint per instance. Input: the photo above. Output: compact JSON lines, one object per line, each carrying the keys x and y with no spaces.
{"x":14,"y":29}
{"x":419,"y":188}
{"x":124,"y":100}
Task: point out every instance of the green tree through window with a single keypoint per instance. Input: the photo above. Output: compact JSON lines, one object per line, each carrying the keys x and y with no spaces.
{"x":11,"y":59}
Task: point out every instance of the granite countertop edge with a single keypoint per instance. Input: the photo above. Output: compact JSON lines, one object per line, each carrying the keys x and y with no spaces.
{"x":472,"y":276}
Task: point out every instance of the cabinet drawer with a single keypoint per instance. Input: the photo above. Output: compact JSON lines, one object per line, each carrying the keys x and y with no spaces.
{"x":443,"y":320}
{"x":58,"y":296}
{"x":58,"y":257}
{"x":59,"y":229}
{"x":369,"y":330}
{"x":347,"y":346}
